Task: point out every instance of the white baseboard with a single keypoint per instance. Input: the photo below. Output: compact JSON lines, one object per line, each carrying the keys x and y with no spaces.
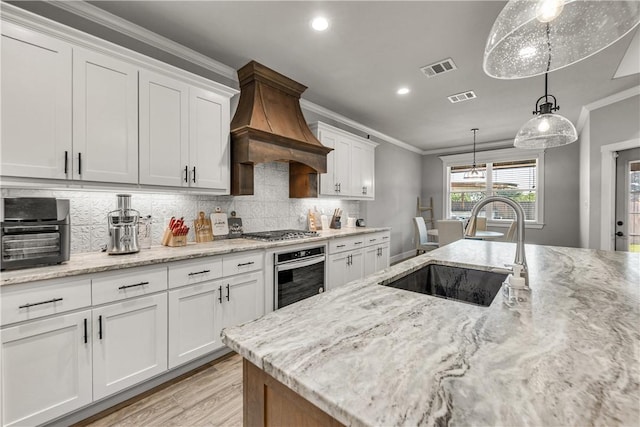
{"x":401,"y":257}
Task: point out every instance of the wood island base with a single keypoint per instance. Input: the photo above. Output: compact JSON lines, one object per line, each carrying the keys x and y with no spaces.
{"x":267,"y":402}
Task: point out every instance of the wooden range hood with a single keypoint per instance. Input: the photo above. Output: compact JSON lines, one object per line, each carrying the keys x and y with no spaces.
{"x":269,"y":126}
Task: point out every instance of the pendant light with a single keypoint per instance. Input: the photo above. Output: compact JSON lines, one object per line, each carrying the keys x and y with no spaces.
{"x":518,"y":43}
{"x":546,"y":129}
{"x":474,"y":173}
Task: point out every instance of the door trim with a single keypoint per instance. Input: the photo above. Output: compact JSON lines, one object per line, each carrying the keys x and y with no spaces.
{"x":608,"y":188}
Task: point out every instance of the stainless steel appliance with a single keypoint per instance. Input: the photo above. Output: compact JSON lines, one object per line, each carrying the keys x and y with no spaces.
{"x":35,"y":231}
{"x":276,"y":235}
{"x":123,"y":227}
{"x":298,"y":275}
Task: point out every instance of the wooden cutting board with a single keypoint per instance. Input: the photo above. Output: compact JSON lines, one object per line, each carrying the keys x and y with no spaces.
{"x":202,"y":228}
{"x":219,"y":225}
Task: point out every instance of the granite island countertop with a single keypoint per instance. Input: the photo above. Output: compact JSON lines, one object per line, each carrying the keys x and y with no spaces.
{"x":95,"y":262}
{"x":372,"y":355}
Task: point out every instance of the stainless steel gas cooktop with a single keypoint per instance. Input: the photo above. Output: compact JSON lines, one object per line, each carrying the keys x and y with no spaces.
{"x":275,"y":235}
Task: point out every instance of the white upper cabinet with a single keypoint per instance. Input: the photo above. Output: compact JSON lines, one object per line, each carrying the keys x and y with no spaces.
{"x":36,"y":104}
{"x":184,"y":135}
{"x":350,"y":166}
{"x":209,"y":140}
{"x":164,"y":131}
{"x":105,"y":118}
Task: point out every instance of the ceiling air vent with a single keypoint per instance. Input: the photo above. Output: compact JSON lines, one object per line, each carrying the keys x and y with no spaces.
{"x":439,"y":67}
{"x":462,"y":96}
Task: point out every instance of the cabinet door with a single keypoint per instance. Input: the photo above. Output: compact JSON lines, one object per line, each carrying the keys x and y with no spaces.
{"x":46,"y":368}
{"x":129,"y":343}
{"x":105,"y":118}
{"x":164,"y":131}
{"x":208,"y":140}
{"x":342,"y":166}
{"x":328,"y":185}
{"x":36,"y":104}
{"x":337,"y":270}
{"x":383,"y":257}
{"x":355,"y":269}
{"x":371,"y":255}
{"x":368,"y":171}
{"x":194,"y":321}
{"x":357,"y":161}
{"x":242,"y":301}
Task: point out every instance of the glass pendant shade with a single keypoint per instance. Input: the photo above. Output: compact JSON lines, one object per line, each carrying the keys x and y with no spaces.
{"x":519,"y":45}
{"x":546,"y":131}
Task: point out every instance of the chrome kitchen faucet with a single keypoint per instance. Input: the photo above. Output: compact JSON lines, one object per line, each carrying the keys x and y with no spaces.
{"x":519,"y":279}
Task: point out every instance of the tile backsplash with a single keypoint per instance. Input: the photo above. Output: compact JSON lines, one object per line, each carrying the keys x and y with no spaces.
{"x":268,"y":209}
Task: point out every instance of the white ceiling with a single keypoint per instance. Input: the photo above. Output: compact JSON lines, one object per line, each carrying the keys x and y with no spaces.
{"x":374,"y":47}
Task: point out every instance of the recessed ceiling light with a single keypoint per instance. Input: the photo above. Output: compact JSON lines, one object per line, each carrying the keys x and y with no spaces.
{"x":320,"y":23}
{"x":403,"y":91}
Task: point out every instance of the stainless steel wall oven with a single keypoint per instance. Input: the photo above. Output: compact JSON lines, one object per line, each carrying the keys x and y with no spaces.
{"x":298,"y":275}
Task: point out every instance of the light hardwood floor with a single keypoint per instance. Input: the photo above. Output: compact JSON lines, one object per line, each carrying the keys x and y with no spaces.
{"x":210,"y":397}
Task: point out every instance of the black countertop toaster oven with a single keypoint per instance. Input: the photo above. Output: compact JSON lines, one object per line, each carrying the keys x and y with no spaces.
{"x":35,"y":231}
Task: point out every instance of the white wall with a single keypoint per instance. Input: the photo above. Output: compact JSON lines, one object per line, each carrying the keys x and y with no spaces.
{"x":613,"y":123}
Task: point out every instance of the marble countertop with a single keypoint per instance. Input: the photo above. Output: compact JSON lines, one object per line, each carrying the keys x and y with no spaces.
{"x":95,"y":262}
{"x":372,"y":355}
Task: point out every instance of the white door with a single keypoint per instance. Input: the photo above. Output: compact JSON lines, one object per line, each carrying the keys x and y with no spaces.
{"x":328,"y":185}
{"x":342,"y":166}
{"x":105,"y":118}
{"x":194,"y":321}
{"x":164,"y":131}
{"x":129,"y":343}
{"x":209,"y":140}
{"x":241,"y":301}
{"x":46,"y":368}
{"x":36,"y":104}
{"x":627,"y":217}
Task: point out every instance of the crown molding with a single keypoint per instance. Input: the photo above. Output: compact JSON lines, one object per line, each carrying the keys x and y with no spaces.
{"x":310,"y":106}
{"x":115,"y":23}
{"x":507,"y":143}
{"x":611,"y":99}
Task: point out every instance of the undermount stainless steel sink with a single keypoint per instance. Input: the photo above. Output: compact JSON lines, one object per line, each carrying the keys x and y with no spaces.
{"x":456,"y":283}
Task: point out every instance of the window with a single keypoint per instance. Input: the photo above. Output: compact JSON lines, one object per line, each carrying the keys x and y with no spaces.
{"x":513,"y":173}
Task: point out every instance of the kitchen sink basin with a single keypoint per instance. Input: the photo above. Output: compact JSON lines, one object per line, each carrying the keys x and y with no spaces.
{"x":456,"y":283}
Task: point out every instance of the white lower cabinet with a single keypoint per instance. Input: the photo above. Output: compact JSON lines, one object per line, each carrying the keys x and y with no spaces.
{"x":376,"y":258}
{"x":129,"y":343}
{"x":345,"y":267}
{"x":195,"y":321}
{"x":46,"y":368}
{"x":242,"y":301}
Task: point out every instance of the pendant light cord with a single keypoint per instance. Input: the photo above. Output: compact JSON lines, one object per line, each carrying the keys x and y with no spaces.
{"x":546,"y":74}
{"x":474,"y":147}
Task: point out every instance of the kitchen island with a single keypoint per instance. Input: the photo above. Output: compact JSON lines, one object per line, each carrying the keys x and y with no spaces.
{"x":367,"y":354}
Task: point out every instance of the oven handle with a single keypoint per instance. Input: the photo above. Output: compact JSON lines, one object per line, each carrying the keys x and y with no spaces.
{"x":297,"y":264}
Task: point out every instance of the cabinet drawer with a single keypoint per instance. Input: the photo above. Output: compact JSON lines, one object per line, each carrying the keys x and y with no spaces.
{"x":377,"y":238}
{"x":346,"y":244}
{"x":32,"y":300}
{"x":242,"y":263}
{"x":128,"y":283}
{"x":194,"y":271}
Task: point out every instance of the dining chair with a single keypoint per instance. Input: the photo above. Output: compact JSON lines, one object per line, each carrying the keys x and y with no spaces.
{"x":422,"y":238}
{"x":449,"y":230}
{"x":511,"y":233}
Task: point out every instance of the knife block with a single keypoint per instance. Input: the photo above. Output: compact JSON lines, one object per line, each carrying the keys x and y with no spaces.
{"x":168,"y":239}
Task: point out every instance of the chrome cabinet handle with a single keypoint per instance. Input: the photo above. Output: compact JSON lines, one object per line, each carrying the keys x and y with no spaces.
{"x":54,"y":300}
{"x":134,"y":285}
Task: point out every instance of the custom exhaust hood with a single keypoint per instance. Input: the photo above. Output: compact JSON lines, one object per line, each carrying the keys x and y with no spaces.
{"x":269,"y":126}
